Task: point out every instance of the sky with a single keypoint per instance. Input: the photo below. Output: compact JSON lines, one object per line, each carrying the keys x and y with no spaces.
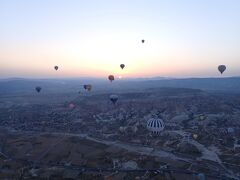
{"x":91,"y":38}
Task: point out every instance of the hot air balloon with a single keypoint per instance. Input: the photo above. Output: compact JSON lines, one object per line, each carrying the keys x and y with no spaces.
{"x":202,"y":117}
{"x":155,"y":125}
{"x":113,"y":98}
{"x":122,"y":129}
{"x":71,"y":106}
{"x":111,"y":77}
{"x":221,"y":68}
{"x":143,"y":40}
{"x":38,"y":89}
{"x":122,"y":66}
{"x":56,"y":68}
{"x":195,"y":136}
{"x":87,"y":87}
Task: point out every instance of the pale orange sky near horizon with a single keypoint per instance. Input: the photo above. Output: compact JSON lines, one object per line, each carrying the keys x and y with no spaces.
{"x":93,"y":39}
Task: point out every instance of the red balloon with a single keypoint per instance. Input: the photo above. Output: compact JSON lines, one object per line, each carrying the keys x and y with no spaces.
{"x":111,"y":77}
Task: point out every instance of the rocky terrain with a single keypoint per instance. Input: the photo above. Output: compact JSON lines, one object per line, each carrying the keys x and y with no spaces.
{"x":64,"y":136}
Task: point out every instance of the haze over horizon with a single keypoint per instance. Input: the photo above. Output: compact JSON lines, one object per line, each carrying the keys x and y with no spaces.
{"x":91,"y":39}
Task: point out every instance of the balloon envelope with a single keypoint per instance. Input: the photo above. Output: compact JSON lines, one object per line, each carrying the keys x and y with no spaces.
{"x":111,"y":77}
{"x":56,"y":68}
{"x":122,"y":66}
{"x":143,"y":41}
{"x":113,"y":98}
{"x":87,"y":87}
{"x":195,"y":136}
{"x":202,"y":117}
{"x":221,"y":68}
{"x":155,"y":125}
{"x":71,"y":105}
{"x":38,"y":89}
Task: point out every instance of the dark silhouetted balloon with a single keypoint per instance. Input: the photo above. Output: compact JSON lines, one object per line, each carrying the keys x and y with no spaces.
{"x":111,"y":77}
{"x":122,"y":66}
{"x":113,"y":98}
{"x":56,"y":68}
{"x":221,"y":68}
{"x":38,"y":89}
{"x":87,"y":87}
{"x":143,"y":41}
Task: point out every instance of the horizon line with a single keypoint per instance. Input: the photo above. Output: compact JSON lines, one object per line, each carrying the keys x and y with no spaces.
{"x":123,"y":79}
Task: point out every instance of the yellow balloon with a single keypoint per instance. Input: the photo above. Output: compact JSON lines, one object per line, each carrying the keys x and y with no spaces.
{"x":195,"y":136}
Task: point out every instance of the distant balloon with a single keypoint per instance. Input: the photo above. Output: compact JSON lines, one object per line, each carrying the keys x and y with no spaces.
{"x":195,"y":136}
{"x":155,"y":125}
{"x":121,"y":129}
{"x":221,"y":68}
{"x":56,"y":68}
{"x":143,"y":41}
{"x":111,"y":77}
{"x":87,"y":87}
{"x":113,"y":98}
{"x":38,"y":89}
{"x":201,"y":117}
{"x":71,"y":105}
{"x":122,"y":66}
